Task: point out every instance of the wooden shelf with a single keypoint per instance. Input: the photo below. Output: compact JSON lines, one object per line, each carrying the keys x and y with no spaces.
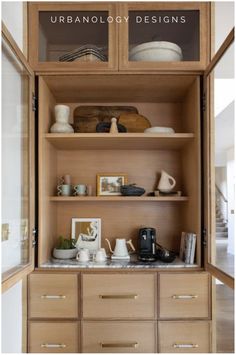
{"x":117,"y":198}
{"x":120,"y":141}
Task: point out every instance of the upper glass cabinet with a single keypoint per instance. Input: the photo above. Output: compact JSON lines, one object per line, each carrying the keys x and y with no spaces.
{"x":72,"y":36}
{"x":161,"y":35}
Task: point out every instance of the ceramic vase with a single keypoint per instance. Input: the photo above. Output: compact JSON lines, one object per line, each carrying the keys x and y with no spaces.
{"x":62,"y":113}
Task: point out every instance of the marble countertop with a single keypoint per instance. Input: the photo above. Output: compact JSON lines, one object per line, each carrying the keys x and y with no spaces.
{"x":133,"y":263}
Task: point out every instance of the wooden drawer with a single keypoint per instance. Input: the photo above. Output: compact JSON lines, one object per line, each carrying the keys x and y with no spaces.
{"x":184,"y":337}
{"x":184,"y":295}
{"x":118,"y":337}
{"x":53,"y":296}
{"x":119,"y":296}
{"x":53,"y":337}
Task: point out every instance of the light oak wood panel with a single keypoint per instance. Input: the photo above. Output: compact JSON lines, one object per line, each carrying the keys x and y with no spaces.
{"x":184,"y":295}
{"x":184,"y":337}
{"x":53,"y":337}
{"x":128,"y":296}
{"x":53,"y":296}
{"x":118,"y":337}
{"x":117,"y":198}
{"x":119,"y":88}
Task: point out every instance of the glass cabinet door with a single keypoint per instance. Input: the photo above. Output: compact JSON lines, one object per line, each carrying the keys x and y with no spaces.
{"x":165,"y":36}
{"x":72,"y":37}
{"x":17,"y":161}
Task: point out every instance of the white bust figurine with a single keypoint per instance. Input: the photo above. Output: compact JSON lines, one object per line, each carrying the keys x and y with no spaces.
{"x":62,"y":113}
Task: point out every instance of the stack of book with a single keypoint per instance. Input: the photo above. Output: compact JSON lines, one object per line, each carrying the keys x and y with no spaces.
{"x":188,"y":247}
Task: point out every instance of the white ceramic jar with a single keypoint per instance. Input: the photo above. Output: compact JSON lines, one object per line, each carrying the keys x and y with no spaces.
{"x":62,"y":113}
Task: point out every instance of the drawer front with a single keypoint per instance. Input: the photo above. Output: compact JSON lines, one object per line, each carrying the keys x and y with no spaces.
{"x":184,"y":295}
{"x":184,"y":337}
{"x":52,"y":337}
{"x":53,"y":296}
{"x":119,"y":296}
{"x":118,"y":337}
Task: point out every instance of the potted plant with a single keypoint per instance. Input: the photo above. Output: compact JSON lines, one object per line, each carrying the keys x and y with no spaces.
{"x":65,"y":249}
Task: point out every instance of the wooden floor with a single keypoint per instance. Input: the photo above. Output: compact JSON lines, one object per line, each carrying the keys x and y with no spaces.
{"x":224,"y":319}
{"x":224,"y":260}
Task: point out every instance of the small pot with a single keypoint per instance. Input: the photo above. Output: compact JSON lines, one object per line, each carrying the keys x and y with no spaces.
{"x":64,"y":253}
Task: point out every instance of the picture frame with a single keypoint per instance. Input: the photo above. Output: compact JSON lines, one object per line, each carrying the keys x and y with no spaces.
{"x":87,"y":232}
{"x":108,"y":184}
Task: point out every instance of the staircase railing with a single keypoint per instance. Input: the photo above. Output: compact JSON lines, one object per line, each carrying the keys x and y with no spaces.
{"x":222,"y":203}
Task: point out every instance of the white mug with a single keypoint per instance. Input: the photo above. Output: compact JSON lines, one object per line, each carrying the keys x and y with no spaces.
{"x":100,"y":257}
{"x":80,"y":190}
{"x":83,"y":255}
{"x":64,"y":190}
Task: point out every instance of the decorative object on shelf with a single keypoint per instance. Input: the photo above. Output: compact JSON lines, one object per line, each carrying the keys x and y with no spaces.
{"x":131,"y":190}
{"x":156,"y":51}
{"x":109,"y":184}
{"x":83,"y":255}
{"x":89,"y":190}
{"x":104,"y":127}
{"x":134,"y":122}
{"x":157,"y":129}
{"x":147,"y":244}
{"x":188,"y":247}
{"x":87,"y":233}
{"x":100,"y":255}
{"x":62,"y":113}
{"x":65,"y":249}
{"x":113,"y":128}
{"x":80,"y":190}
{"x":86,"y":53}
{"x":166,"y":182}
{"x":64,"y":190}
{"x":164,"y":254}
{"x":86,"y":118}
{"x":171,"y":193}
{"x":121,"y":250}
{"x":65,"y":179}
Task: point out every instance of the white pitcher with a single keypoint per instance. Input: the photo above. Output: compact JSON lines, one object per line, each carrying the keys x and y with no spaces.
{"x":166,"y":183}
{"x":121,"y":249}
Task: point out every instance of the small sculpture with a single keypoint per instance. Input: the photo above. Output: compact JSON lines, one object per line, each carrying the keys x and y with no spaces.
{"x":166,"y":183}
{"x":114,"y":128}
{"x":62,"y":113}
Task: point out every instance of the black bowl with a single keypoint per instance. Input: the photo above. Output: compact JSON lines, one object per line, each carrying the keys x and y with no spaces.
{"x":165,"y":255}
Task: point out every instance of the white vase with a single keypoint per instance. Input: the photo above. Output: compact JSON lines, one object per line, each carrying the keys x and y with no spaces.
{"x":62,"y":113}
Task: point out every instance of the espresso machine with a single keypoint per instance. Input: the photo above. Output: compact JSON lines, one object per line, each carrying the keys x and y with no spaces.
{"x":147,"y":244}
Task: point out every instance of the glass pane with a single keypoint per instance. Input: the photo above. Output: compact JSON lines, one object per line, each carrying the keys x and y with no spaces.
{"x":177,"y":30}
{"x":69,"y":36}
{"x":223,"y":96}
{"x":15,"y":180}
{"x":224,"y":313}
{"x":223,"y":22}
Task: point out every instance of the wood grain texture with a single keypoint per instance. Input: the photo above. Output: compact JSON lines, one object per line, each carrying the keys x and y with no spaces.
{"x":95,"y":333}
{"x":53,"y":285}
{"x":141,"y":306}
{"x":63,"y":333}
{"x":196,"y":333}
{"x":179,"y":284}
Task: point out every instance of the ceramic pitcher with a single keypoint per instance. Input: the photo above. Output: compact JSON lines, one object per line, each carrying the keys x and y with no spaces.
{"x":166,"y":183}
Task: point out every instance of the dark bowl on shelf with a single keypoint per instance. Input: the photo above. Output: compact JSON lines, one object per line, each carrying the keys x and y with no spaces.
{"x":131,"y":190}
{"x":165,"y":255}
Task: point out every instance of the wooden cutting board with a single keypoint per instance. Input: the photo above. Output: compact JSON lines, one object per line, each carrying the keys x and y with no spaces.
{"x":134,"y":122}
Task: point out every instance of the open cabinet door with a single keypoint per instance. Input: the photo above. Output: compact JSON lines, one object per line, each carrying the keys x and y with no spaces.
{"x":18,"y":164}
{"x":218,"y":164}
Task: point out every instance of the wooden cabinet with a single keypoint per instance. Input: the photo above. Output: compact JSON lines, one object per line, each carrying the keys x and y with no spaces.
{"x":53,"y":337}
{"x":119,"y":296}
{"x":184,"y":337}
{"x":119,"y":337}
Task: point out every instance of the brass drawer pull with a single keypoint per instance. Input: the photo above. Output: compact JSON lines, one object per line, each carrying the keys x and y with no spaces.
{"x":53,"y":345}
{"x":119,"y":345}
{"x":184,"y":297}
{"x":116,"y":297}
{"x":53,"y":297}
{"x":177,"y":346}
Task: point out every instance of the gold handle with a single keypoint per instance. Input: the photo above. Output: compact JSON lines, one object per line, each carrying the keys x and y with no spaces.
{"x":53,"y":345}
{"x":185,"y":346}
{"x":115,"y":297}
{"x":52,"y":297}
{"x":184,"y":297}
{"x":119,"y":345}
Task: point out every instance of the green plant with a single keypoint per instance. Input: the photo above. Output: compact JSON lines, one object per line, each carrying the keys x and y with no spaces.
{"x":64,"y":243}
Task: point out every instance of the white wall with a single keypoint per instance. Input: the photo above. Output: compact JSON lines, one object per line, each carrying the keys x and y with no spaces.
{"x":224,"y":21}
{"x":231,"y":198}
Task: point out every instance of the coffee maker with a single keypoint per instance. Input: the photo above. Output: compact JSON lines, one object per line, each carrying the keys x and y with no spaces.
{"x":147,"y":244}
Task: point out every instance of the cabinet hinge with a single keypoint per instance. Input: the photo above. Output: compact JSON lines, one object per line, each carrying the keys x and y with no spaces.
{"x":34,"y":103}
{"x":204,"y":237}
{"x":204,"y":102}
{"x":34,"y":237}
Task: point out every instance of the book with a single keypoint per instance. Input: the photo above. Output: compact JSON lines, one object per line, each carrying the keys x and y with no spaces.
{"x":187,"y":247}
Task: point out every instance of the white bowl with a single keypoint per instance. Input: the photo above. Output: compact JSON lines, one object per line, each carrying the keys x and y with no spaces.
{"x":156,"y":51}
{"x":159,"y":130}
{"x":64,"y":253}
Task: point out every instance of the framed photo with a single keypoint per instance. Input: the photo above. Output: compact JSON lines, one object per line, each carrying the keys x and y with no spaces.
{"x":87,"y":232}
{"x":109,"y":184}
